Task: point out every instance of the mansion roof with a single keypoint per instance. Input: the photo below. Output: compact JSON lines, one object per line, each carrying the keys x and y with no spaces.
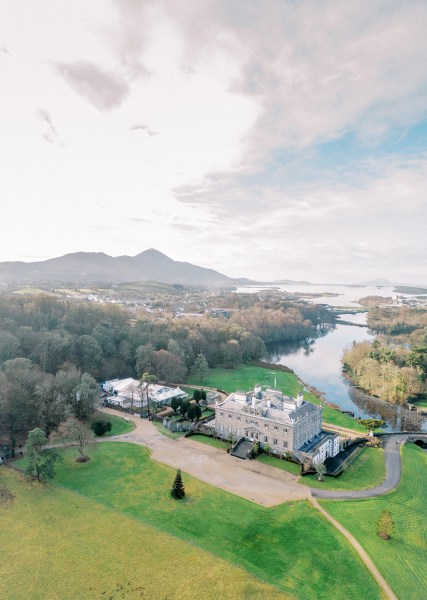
{"x":270,"y":404}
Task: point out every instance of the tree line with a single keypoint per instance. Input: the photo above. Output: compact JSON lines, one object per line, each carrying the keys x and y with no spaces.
{"x":31,"y":398}
{"x":404,"y":324}
{"x":52,"y":351}
{"x":393,"y":373}
{"x":107,"y":341}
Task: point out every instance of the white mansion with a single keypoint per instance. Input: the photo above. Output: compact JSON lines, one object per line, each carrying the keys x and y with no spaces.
{"x":284,"y":424}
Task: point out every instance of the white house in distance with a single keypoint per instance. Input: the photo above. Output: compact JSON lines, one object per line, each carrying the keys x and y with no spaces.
{"x":131,"y":393}
{"x":282,"y":423}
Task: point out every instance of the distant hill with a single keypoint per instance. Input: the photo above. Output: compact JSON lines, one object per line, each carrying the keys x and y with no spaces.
{"x":97,"y":267}
{"x":410,"y":290}
{"x":379,"y":282}
{"x":290,"y":282}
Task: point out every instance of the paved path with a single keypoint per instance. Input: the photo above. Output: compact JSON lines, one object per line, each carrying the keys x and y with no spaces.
{"x":359,"y":549}
{"x":393,"y":465}
{"x":246,"y":478}
{"x":350,"y":433}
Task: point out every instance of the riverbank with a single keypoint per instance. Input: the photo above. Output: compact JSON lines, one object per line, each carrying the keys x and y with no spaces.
{"x":277,"y":376}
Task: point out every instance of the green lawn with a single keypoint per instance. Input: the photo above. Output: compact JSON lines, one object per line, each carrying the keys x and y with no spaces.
{"x":207,"y":412}
{"x":210,"y":441}
{"x":367,"y":470}
{"x":403,"y":560}
{"x":188,"y":390}
{"x":291,"y":546}
{"x":59,"y":545}
{"x":335,"y":417}
{"x":247,"y":376}
{"x":279,"y":464}
{"x":118,"y":425}
{"x":419,"y":403}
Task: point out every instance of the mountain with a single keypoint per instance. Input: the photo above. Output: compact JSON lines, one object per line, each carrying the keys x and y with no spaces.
{"x":97,"y":267}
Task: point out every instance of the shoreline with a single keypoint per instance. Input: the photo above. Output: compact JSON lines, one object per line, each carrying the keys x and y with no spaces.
{"x":368,"y":393}
{"x":313,"y":390}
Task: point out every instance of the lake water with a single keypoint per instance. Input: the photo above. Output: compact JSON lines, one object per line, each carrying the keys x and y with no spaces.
{"x":319,"y":363}
{"x":341,"y":295}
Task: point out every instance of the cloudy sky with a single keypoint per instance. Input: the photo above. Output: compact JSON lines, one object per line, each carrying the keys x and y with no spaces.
{"x":268,"y":139}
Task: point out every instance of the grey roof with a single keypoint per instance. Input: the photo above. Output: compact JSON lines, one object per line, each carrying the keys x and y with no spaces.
{"x":271,"y":405}
{"x":318,"y":440}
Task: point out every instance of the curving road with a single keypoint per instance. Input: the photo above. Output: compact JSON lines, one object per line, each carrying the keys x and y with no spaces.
{"x":255,"y":481}
{"x":393,"y":465}
{"x":249,"y":479}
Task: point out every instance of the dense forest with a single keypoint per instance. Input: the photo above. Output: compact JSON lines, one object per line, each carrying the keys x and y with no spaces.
{"x":394,"y":366}
{"x":52,"y":351}
{"x":403,"y":324}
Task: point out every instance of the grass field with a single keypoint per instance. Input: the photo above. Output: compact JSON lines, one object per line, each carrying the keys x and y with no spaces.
{"x":59,"y":545}
{"x":118,"y":425}
{"x":30,"y":291}
{"x":285,"y":465}
{"x":210,"y":441}
{"x":367,"y":470}
{"x":402,"y":560}
{"x":247,"y":376}
{"x":290,"y":546}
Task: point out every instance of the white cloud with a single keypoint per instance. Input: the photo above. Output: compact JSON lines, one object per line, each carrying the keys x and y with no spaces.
{"x":321,"y":70}
{"x":156,"y":111}
{"x":324,"y":231}
{"x":318,"y":70}
{"x":102,"y":89}
{"x":199,"y":120}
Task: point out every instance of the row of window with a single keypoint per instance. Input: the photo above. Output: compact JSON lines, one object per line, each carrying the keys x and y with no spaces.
{"x":275,"y":441}
{"x":252,"y":422}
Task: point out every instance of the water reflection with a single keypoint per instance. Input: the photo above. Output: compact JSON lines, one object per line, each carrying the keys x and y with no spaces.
{"x":318,"y":362}
{"x":399,"y":418}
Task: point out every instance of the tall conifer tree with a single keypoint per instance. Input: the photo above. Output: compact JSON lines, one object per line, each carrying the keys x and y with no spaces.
{"x":178,"y":490}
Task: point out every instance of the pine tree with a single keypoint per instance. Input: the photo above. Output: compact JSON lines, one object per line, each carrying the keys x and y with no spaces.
{"x":200,"y":368}
{"x":178,"y":490}
{"x":40,"y":460}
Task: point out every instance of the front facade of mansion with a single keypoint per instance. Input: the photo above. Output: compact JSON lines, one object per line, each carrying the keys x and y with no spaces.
{"x":282,"y":423}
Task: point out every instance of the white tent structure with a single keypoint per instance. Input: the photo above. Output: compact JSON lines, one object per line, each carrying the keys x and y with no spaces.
{"x":131,"y":393}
